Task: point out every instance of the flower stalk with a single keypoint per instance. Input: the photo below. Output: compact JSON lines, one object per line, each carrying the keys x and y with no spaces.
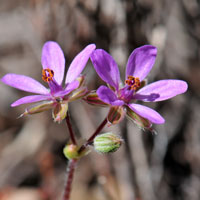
{"x":91,"y":139}
{"x":70,"y":174}
{"x":71,"y":133}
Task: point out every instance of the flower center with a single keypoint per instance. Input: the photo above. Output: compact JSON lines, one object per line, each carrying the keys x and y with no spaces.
{"x":47,"y":75}
{"x":133,"y":82}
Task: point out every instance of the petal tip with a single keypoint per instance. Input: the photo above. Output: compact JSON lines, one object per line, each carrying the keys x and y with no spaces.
{"x":13,"y":105}
{"x":92,"y":46}
{"x":47,"y":43}
{"x":5,"y":78}
{"x":185,"y":86}
{"x":160,"y":121}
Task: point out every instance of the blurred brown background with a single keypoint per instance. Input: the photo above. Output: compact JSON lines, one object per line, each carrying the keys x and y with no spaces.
{"x":146,"y":167}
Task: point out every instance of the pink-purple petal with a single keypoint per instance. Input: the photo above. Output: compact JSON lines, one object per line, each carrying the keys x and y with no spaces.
{"x":106,"y":67}
{"x":24,"y":83}
{"x":79,"y":63}
{"x":108,"y":96}
{"x":30,"y":99}
{"x":141,"y":61}
{"x":161,"y":90}
{"x":53,"y":58}
{"x":147,"y":113}
{"x":69,"y":88}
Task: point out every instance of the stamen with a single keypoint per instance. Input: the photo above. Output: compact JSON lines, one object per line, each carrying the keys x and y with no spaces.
{"x":133,"y":82}
{"x":47,"y":75}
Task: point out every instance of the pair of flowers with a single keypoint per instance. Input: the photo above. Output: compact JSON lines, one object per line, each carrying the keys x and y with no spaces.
{"x":120,"y":97}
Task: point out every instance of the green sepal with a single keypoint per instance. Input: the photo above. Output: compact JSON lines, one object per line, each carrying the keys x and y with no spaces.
{"x":39,"y":107}
{"x":111,"y":87}
{"x":107,"y":143}
{"x":60,"y":111}
{"x":116,"y":114}
{"x":81,"y":80}
{"x":79,"y":93}
{"x":142,"y":84}
{"x":93,"y":99}
{"x":141,"y":122}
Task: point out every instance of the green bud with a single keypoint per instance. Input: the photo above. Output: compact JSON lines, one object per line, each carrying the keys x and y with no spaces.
{"x":71,"y":151}
{"x":107,"y":143}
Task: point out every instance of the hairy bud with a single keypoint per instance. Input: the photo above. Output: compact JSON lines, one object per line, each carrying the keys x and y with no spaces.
{"x":107,"y":143}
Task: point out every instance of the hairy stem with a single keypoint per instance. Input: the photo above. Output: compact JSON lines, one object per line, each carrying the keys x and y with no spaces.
{"x":70,"y":173}
{"x":90,"y":140}
{"x":71,"y":133}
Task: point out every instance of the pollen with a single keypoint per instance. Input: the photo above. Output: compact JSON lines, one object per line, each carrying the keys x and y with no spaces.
{"x":133,"y":82}
{"x":47,"y":75}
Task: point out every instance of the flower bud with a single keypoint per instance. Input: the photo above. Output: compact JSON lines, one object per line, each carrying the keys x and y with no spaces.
{"x":71,"y":151}
{"x":107,"y":143}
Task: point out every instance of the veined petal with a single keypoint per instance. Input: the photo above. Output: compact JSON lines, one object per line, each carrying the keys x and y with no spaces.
{"x":24,"y":83}
{"x":79,"y":63}
{"x":108,"y":96}
{"x":161,"y":90}
{"x":141,"y":61}
{"x":106,"y":67}
{"x":69,"y":88}
{"x":53,"y":58}
{"x":30,"y":99}
{"x":147,"y":113}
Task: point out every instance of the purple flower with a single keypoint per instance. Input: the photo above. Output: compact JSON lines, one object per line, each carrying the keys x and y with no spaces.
{"x":122,"y":97}
{"x":56,"y":96}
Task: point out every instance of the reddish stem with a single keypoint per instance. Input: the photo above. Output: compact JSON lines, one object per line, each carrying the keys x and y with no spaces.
{"x":90,"y":140}
{"x":71,"y":133}
{"x":70,"y":174}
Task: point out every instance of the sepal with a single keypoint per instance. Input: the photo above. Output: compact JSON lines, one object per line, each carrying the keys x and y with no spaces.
{"x":37,"y":108}
{"x":79,"y":93}
{"x":111,"y":87}
{"x":81,"y":80}
{"x":116,"y":114}
{"x":93,"y":99}
{"x":107,"y":143}
{"x":59,"y":112}
{"x":141,"y":122}
{"x":142,"y":84}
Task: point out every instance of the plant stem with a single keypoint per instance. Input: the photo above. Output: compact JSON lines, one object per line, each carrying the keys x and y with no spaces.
{"x":90,"y":140}
{"x":71,"y":133}
{"x":70,"y":173}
